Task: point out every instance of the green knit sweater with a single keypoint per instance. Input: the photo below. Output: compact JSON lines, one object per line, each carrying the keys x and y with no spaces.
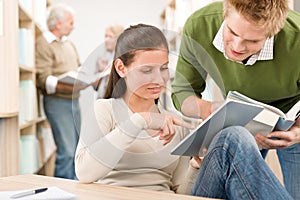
{"x":275,"y":82}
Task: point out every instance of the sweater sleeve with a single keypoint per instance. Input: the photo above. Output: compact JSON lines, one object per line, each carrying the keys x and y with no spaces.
{"x":184,"y":176}
{"x":188,"y":182}
{"x":98,"y":152}
{"x":190,"y":77}
{"x":43,"y":61}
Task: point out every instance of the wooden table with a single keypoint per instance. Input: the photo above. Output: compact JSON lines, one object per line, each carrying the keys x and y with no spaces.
{"x":91,"y":191}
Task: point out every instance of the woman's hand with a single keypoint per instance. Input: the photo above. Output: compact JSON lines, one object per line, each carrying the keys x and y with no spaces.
{"x":163,"y":124}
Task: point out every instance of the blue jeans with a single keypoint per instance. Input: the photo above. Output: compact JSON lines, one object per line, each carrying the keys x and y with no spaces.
{"x":233,"y":168}
{"x":64,"y":118}
{"x":289,"y":159}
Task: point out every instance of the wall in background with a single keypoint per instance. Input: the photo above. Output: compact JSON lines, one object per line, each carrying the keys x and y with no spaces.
{"x":93,"y":16}
{"x":297,"y":5}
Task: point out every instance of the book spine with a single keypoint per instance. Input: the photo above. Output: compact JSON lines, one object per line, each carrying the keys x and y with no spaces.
{"x":283,"y":125}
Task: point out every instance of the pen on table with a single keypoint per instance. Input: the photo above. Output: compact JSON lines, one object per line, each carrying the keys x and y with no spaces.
{"x":27,"y":193}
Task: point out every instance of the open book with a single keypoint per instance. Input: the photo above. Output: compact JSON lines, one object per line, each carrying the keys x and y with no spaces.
{"x":230,"y":113}
{"x":271,"y":118}
{"x":74,"y":77}
{"x":238,"y":110}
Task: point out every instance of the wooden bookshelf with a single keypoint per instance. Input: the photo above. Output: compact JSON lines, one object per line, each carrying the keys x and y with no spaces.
{"x":9,"y":88}
{"x":18,"y":119}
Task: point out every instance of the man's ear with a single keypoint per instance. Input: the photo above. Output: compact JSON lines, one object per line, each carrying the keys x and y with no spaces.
{"x":58,"y":24}
{"x":120,"y":67}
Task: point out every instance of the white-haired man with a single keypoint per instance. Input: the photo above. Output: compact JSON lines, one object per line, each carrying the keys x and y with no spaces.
{"x":55,"y":55}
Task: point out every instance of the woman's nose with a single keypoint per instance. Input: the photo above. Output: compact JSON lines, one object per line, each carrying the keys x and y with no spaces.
{"x":160,"y":77}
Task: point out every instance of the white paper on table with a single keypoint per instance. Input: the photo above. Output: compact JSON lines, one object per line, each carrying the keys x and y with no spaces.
{"x":53,"y":193}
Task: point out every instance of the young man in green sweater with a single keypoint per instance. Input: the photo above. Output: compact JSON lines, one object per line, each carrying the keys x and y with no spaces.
{"x":251,"y":47}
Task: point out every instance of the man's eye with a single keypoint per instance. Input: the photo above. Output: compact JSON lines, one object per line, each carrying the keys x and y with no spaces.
{"x":164,"y":67}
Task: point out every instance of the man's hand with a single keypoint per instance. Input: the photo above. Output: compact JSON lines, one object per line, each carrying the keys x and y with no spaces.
{"x":284,"y":138}
{"x":195,"y":107}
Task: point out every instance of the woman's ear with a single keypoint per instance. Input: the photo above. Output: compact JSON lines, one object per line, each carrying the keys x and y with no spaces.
{"x":120,"y":67}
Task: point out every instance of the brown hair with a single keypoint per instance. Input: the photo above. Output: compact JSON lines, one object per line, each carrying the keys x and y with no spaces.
{"x":268,"y":13}
{"x":137,"y":37}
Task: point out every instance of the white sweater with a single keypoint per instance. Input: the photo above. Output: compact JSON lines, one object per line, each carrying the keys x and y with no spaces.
{"x":121,"y":153}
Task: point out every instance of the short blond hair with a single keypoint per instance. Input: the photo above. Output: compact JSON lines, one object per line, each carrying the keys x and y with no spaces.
{"x":268,"y":13}
{"x":117,"y":29}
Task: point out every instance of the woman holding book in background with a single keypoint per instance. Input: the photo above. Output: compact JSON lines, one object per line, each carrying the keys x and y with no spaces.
{"x":136,"y":135}
{"x":105,"y":58}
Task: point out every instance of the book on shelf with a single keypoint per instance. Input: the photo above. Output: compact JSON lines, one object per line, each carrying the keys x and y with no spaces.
{"x":28,"y":154}
{"x":237,"y":110}
{"x":26,"y":47}
{"x":27,"y":101}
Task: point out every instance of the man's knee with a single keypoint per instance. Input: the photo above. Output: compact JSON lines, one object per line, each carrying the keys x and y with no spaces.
{"x":238,"y":135}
